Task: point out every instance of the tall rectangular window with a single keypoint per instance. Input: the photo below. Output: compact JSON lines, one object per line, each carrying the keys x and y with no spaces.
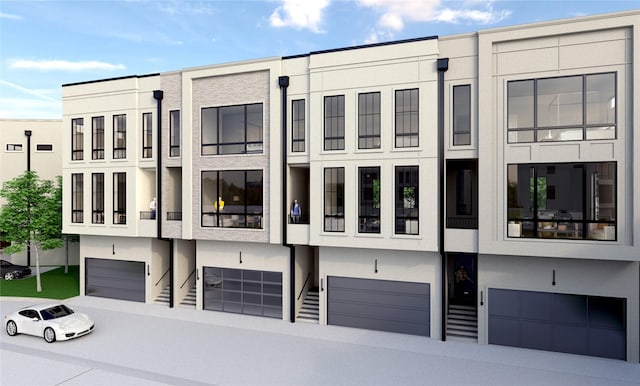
{"x":369,"y":120}
{"x":174,"y":133}
{"x":407,"y":111}
{"x":77,"y":139}
{"x":407,"y":200}
{"x":569,"y":108}
{"x":462,"y":115}
{"x":97,"y":138}
{"x":462,"y":193}
{"x":369,"y":200}
{"x":232,"y":199}
{"x":77,"y":185}
{"x":232,"y":129}
{"x":97,"y":200}
{"x":297,"y":126}
{"x":334,"y":122}
{"x":119,"y":198}
{"x":147,"y":135}
{"x":334,"y":199}
{"x":119,"y":136}
{"x":564,"y":200}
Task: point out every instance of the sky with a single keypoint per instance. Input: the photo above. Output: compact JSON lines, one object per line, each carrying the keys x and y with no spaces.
{"x":47,"y":43}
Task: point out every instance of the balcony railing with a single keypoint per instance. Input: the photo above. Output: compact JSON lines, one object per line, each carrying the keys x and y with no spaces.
{"x":147,"y":215}
{"x":174,"y":216}
{"x":303,"y":219}
{"x":462,"y":222}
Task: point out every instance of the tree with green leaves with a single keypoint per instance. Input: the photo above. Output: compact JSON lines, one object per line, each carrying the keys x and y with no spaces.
{"x":32,"y":216}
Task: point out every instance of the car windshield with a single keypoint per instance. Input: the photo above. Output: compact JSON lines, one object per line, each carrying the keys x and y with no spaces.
{"x":56,"y":312}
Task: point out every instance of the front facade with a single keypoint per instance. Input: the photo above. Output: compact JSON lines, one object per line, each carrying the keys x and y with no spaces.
{"x":475,"y":187}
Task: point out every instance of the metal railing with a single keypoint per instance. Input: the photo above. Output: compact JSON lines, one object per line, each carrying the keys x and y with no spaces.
{"x":174,"y":216}
{"x":304,"y":285}
{"x":462,"y":222}
{"x":163,"y":275}
{"x":188,"y":277}
{"x":302,"y":219}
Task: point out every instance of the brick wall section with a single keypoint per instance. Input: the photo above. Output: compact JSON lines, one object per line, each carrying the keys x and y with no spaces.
{"x":227,"y":90}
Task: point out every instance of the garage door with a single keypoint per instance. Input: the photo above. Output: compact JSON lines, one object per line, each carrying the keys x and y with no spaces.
{"x":115,"y":279}
{"x":243,"y":291}
{"x":577,"y":324}
{"x":383,"y":305}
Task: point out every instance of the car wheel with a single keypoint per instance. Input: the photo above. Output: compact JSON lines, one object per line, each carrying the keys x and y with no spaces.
{"x":49,"y":335}
{"x":9,"y":276}
{"x":12,"y":329}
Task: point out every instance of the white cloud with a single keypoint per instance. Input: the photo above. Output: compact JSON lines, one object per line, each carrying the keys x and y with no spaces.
{"x":180,"y":7}
{"x":29,"y":108}
{"x":42,"y":94}
{"x":10,"y":16}
{"x":300,"y":14}
{"x":63,"y":65}
{"x":395,"y":13}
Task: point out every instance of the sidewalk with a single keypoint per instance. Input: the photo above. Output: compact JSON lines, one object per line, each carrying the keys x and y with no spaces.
{"x":148,"y":344}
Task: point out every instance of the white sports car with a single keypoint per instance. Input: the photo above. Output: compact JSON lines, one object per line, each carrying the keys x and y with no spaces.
{"x":52,"y":321}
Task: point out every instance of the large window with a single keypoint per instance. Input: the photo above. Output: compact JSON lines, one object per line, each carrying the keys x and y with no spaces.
{"x":568,"y":200}
{"x":97,"y":201}
{"x":297,"y":125}
{"x":77,"y":139}
{"x":119,"y":198}
{"x":232,"y":199}
{"x":462,"y":115}
{"x":407,"y":202}
{"x":462,"y":194}
{"x":77,"y":184}
{"x":570,"y":108}
{"x":334,"y":122}
{"x":232,"y":129}
{"x":119,"y":136}
{"x":407,"y":130}
{"x":97,"y":138}
{"x":369,"y":200}
{"x":334,"y":199}
{"x":174,"y":133}
{"x":369,"y":120}
{"x":147,"y":135}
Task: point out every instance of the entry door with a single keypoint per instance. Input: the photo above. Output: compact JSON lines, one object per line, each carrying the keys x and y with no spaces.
{"x":462,"y":277}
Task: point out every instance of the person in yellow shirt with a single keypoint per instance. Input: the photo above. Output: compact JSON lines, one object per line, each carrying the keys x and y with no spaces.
{"x":218,"y":205}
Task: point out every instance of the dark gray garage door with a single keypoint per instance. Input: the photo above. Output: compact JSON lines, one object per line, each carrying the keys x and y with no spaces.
{"x":577,"y":324}
{"x":383,"y":305}
{"x":243,"y":291}
{"x":115,"y":279}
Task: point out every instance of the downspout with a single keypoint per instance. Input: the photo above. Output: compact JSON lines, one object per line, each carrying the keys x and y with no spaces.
{"x":158,"y":95}
{"x":283,"y":82}
{"x":443,"y":66}
{"x":27,"y":133}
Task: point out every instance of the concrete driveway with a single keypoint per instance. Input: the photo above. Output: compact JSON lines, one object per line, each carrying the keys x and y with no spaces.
{"x":148,"y":344}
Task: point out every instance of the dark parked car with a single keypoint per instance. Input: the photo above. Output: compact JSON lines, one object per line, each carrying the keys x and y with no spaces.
{"x":11,"y":271}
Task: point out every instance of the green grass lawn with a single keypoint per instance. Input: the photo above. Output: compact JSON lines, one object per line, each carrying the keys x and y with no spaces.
{"x":55,"y":285}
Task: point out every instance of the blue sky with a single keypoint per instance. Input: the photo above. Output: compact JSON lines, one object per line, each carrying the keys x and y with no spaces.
{"x":47,"y":43}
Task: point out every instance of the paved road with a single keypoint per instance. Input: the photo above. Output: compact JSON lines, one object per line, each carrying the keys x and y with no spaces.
{"x":148,"y":344}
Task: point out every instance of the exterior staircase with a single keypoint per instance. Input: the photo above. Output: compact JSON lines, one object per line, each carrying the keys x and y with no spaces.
{"x":462,"y":323}
{"x":309,"y":313}
{"x":163,"y":298}
{"x":189,"y":300}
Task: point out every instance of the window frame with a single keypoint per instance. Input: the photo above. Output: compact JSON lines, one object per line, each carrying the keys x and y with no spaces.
{"x":245,"y":144}
{"x":97,"y":137}
{"x":120,"y":198}
{"x":97,"y":198}
{"x":298,"y":125}
{"x":119,"y":144}
{"x":175,"y":133}
{"x":407,"y":200}
{"x":413,"y":133}
{"x":334,"y":199}
{"x":147,"y":135}
{"x":369,"y":120}
{"x":77,"y":139}
{"x":537,"y":133}
{"x":77,"y":199}
{"x":221,"y":215}
{"x":465,"y":130}
{"x":369,"y":201}
{"x":334,"y":122}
